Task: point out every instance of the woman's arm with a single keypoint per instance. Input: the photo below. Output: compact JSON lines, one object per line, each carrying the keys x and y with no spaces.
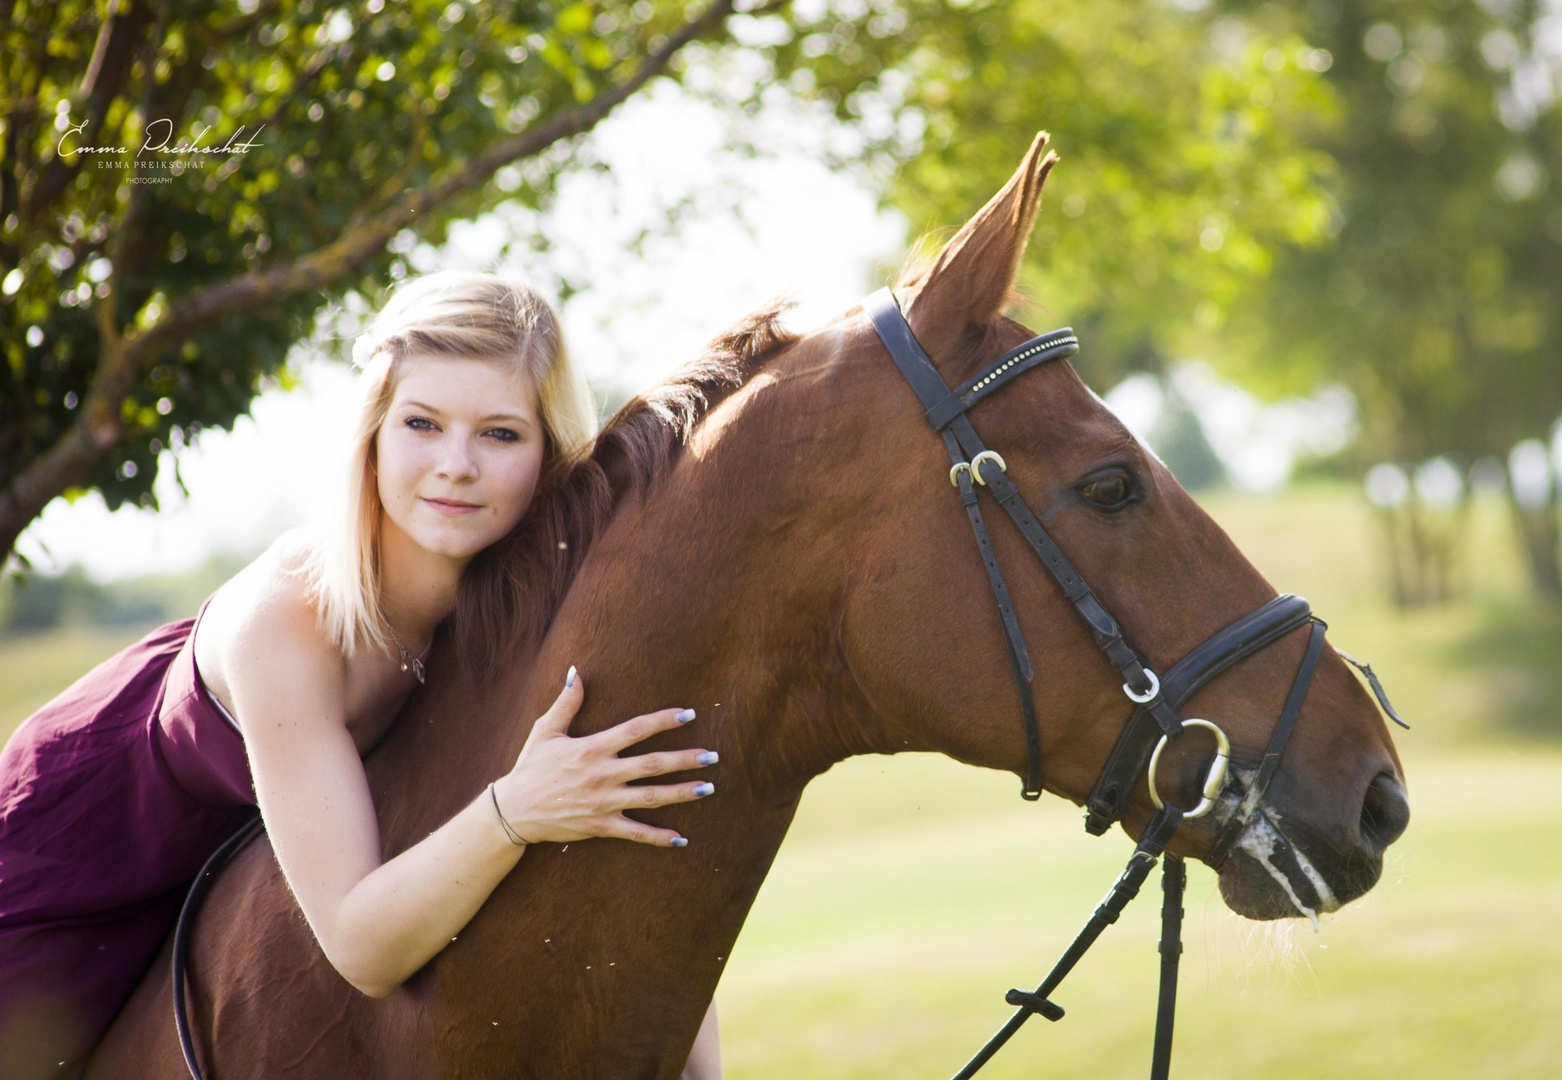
{"x":705,"y":1056}
{"x":378,"y":922}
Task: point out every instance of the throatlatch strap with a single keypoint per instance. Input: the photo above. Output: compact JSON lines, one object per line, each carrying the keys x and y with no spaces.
{"x":1019,"y":659}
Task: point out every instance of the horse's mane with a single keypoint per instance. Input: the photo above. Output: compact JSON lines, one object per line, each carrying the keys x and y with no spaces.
{"x":512,"y":590}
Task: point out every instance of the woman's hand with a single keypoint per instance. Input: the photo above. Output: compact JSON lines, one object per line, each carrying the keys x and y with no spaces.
{"x":564,"y":789}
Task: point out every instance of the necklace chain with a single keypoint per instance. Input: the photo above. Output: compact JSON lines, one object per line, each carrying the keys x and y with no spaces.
{"x":409,"y":662}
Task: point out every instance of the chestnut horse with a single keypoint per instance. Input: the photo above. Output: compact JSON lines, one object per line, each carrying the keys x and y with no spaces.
{"x":772,"y":540}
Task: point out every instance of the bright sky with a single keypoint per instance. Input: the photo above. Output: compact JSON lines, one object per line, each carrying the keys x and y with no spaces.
{"x":785,"y":223}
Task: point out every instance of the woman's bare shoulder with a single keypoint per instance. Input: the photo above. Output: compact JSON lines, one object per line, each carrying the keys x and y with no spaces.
{"x":268,"y":608}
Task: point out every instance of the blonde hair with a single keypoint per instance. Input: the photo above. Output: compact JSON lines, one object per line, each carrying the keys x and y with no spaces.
{"x":447,"y":314}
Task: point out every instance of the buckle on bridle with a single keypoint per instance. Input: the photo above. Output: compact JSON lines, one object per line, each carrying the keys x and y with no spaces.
{"x":986,"y":455}
{"x":1214,"y":780}
{"x":1149,"y":695}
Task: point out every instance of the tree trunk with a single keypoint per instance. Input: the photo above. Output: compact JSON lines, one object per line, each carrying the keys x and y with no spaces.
{"x":1538,"y":530}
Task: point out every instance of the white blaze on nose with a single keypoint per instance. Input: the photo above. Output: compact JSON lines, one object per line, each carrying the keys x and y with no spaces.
{"x":1259,"y":840}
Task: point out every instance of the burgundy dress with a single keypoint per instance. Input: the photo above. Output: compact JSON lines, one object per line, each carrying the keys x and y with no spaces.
{"x":111,"y":798}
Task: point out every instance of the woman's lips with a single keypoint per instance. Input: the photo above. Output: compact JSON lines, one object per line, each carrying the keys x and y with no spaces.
{"x":453,"y":507}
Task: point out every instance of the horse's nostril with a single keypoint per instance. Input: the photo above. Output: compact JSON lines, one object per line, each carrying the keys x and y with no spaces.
{"x":1384,"y":812}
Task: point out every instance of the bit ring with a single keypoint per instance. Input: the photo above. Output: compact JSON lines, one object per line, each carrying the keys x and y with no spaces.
{"x":1214,"y":780}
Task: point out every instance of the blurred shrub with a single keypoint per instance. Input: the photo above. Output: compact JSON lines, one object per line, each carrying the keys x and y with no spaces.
{"x":34,"y":603}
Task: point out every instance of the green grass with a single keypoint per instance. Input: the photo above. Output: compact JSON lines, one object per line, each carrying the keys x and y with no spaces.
{"x":883,"y":941}
{"x":35,"y":667}
{"x":912,"y":891}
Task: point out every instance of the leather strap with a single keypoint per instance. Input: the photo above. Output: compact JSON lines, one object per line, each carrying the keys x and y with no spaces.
{"x":972,"y":464}
{"x":965,"y":446}
{"x":1150,"y":848}
{"x":192,"y":903}
{"x":1038,"y":350}
{"x":1377,"y":687}
{"x":904,"y":349}
{"x":1267,"y":768}
{"x":1174,"y":880}
{"x":1019,"y":658}
{"x":1131,"y":754}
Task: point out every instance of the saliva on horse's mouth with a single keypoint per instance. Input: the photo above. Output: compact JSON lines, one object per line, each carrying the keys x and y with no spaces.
{"x":1299,"y":882}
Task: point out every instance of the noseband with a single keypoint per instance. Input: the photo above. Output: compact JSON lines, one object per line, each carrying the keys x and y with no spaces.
{"x":1156,"y":697}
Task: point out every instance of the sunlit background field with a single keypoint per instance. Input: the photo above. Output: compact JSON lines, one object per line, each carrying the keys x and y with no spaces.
{"x":913,"y":892}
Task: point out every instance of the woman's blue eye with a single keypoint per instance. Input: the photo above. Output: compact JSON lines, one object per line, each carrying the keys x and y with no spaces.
{"x":503,"y":434}
{"x":419,"y":423}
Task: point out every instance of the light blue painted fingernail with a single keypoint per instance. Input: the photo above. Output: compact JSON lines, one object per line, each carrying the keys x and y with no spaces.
{"x":704,"y":788}
{"x":684,"y":716}
{"x":708,"y":757}
{"x":569,"y":680}
{"x":680,"y":841}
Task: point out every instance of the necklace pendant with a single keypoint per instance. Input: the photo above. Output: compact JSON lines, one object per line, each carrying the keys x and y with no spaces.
{"x":408,"y":662}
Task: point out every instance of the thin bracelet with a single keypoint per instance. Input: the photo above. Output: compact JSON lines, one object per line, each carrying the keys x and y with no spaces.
{"x":515,"y":838}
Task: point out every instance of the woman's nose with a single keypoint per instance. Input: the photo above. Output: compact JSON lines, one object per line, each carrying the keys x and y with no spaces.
{"x":456,"y":460}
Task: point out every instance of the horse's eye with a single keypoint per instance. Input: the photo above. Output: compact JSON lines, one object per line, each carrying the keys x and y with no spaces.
{"x":1109,"y":492}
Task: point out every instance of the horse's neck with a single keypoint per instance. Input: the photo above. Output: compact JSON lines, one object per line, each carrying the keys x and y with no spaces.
{"x":697,"y":599}
{"x":709,"y":594}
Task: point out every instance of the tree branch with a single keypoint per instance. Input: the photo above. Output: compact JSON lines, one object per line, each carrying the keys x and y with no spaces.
{"x":242,"y":25}
{"x":106,"y":70}
{"x":398,"y":180}
{"x":98,"y":427}
{"x":360,"y":243}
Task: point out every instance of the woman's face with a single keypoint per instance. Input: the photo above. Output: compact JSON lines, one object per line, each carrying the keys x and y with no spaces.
{"x":459,"y":453}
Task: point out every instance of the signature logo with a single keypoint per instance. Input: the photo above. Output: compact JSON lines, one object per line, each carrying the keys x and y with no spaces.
{"x":156,"y":139}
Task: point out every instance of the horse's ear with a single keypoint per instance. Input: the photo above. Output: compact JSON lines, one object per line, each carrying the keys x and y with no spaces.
{"x":969,"y":283}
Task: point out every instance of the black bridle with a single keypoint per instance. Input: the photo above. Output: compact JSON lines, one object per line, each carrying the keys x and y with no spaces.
{"x":1156,"y":697}
{"x":1155,"y":720}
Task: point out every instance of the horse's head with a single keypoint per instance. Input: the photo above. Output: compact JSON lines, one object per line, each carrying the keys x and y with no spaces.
{"x":921,"y":633}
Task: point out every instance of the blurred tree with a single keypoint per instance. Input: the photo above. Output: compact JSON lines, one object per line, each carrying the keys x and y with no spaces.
{"x":1301,"y":191}
{"x":1187,"y":146}
{"x":1440,"y":302}
{"x":184,"y":186}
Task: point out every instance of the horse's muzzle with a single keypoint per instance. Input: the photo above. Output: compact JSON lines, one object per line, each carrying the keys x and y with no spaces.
{"x":1283,"y":866}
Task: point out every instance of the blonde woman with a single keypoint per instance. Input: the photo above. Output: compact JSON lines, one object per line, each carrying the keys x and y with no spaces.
{"x":113,"y":794}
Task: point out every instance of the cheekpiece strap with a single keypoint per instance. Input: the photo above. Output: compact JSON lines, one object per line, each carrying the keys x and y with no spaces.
{"x":1238,"y":822}
{"x":946,"y":414}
